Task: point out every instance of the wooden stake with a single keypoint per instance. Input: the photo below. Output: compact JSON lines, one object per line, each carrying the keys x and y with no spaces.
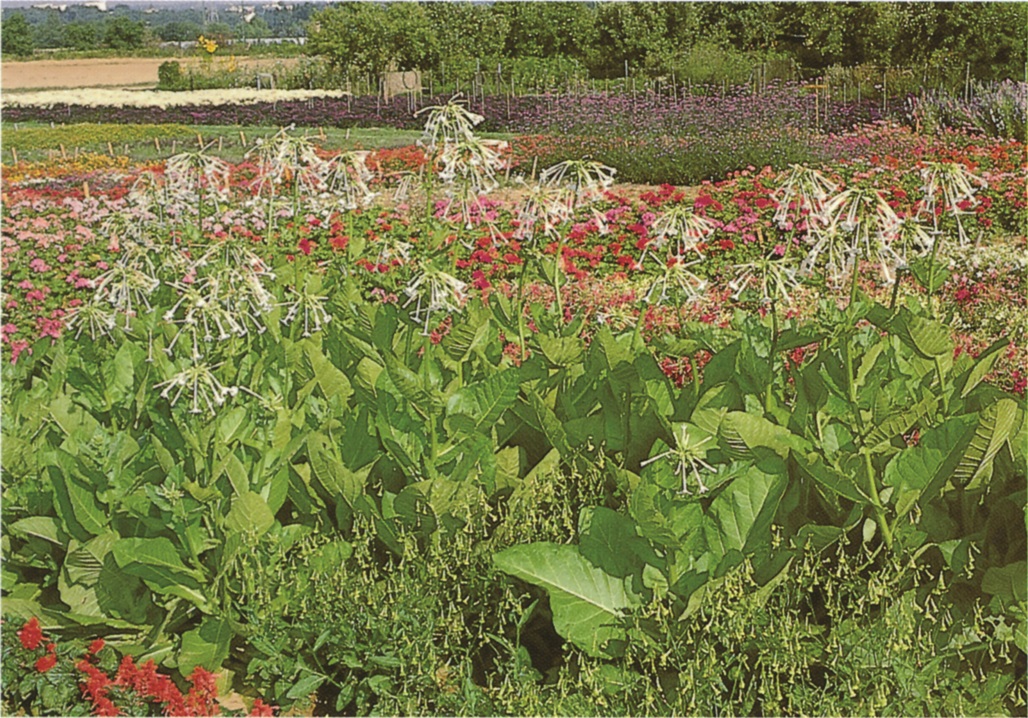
{"x":64,"y":154}
{"x":199,"y":141}
{"x":157,"y":144}
{"x":535,"y":161}
{"x":221,"y":141}
{"x":14,"y":154}
{"x":110,"y":149}
{"x":242,"y":138}
{"x":85,"y":190}
{"x":173,"y":143}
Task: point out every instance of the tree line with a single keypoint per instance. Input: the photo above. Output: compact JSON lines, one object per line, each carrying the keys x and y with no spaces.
{"x":659,"y":38}
{"x":695,"y":40}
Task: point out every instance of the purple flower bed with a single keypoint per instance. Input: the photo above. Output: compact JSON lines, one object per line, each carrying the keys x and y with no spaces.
{"x":558,"y":114}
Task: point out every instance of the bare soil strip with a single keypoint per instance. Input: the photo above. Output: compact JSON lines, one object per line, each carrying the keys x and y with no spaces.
{"x":99,"y":72}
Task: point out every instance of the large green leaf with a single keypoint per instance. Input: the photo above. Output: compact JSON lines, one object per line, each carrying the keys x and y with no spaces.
{"x":411,"y":387}
{"x":610,"y":541}
{"x":476,"y":407}
{"x":157,"y":562}
{"x":743,"y":511}
{"x":919,"y":472}
{"x":996,"y":423}
{"x":77,"y":504}
{"x":249,"y":513}
{"x":331,"y":380}
{"x":742,"y":431}
{"x":207,"y":646}
{"x":587,"y":603}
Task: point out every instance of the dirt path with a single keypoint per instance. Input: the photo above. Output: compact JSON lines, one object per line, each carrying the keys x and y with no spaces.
{"x":99,"y":72}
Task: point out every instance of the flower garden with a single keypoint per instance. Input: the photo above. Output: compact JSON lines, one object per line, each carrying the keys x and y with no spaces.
{"x":468,"y":427}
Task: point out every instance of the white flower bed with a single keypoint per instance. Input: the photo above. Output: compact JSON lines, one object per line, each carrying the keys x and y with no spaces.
{"x":96,"y":97}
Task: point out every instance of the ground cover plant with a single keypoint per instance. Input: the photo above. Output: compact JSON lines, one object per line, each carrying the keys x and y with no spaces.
{"x":411,"y":442}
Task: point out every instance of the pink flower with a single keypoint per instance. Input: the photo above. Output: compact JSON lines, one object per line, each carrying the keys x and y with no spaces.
{"x":779,"y":250}
{"x":25,"y":284}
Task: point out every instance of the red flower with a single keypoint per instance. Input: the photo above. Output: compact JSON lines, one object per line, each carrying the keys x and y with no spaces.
{"x":339,"y":242}
{"x":260,"y":708}
{"x":47,"y":662}
{"x":96,"y":646}
{"x":306,"y":246}
{"x":31,"y":634}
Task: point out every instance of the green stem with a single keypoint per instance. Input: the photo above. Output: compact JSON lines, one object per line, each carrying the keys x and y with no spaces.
{"x":772,"y":355}
{"x":931,"y":273}
{"x":557,"y":269}
{"x":853,"y":280}
{"x":895,"y":290}
{"x":521,"y":304}
{"x":872,"y":483}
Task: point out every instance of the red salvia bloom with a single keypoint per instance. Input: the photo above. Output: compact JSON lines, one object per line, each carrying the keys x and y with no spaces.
{"x":31,"y":635}
{"x":47,"y":662}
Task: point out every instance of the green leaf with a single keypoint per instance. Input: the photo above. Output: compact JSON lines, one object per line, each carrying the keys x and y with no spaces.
{"x":743,"y":431}
{"x":411,"y":387}
{"x":587,"y":603}
{"x":743,"y":511}
{"x":814,"y":467}
{"x":45,"y":527}
{"x":331,"y":380}
{"x":887,"y":428}
{"x":484,"y":402}
{"x":928,"y":337}
{"x":995,"y":425}
{"x":305,"y":686}
{"x":560,"y":351}
{"x":921,"y":269}
{"x":919,"y":472}
{"x":610,"y":542}
{"x":983,"y":365}
{"x":1009,"y":583}
{"x":159,"y":555}
{"x":337,"y":481}
{"x":207,"y":646}
{"x":76,"y":501}
{"x":119,"y":374}
{"x":249,"y":513}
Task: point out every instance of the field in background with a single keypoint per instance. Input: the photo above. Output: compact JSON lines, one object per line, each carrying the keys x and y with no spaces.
{"x":99,"y":72}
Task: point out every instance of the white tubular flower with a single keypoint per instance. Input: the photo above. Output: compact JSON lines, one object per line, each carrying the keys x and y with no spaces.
{"x":206,"y":393}
{"x":775,"y":278}
{"x":91,"y":316}
{"x":190,"y":173}
{"x":956,"y":185}
{"x":689,"y":458}
{"x":449,"y":123}
{"x":346,"y":179}
{"x":808,"y":187}
{"x":434,"y":290}
{"x":676,"y":282}
{"x":832,"y":248}
{"x":125,"y":287}
{"x":582,"y":178}
{"x":542,"y":210}
{"x":687,"y":228}
{"x":311,"y":306}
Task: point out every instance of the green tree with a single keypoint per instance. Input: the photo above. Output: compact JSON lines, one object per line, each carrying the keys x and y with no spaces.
{"x":466,"y":33}
{"x":372,"y":38}
{"x":179,"y":31}
{"x":121,"y":33}
{"x":351,"y":35}
{"x":16,"y":36}
{"x":80,"y":36}
{"x":256,"y":29}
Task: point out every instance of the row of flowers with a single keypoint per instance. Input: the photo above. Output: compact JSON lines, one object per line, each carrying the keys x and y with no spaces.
{"x":77,"y":677}
{"x":58,"y":242}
